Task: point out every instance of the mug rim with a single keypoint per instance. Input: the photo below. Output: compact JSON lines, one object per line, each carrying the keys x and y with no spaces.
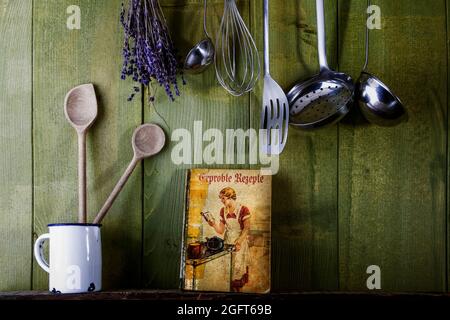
{"x":74,"y":224}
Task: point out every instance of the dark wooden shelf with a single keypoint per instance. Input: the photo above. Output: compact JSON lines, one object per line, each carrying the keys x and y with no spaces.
{"x":209,"y":296}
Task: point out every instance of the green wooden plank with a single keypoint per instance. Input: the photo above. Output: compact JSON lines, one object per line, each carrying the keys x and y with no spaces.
{"x":202,"y":99}
{"x":448,"y":187}
{"x":304,"y":208}
{"x":392,"y":181}
{"x":63,"y":59}
{"x":15,"y":145}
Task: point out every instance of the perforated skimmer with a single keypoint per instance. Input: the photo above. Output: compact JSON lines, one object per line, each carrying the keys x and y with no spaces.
{"x":327,"y":97}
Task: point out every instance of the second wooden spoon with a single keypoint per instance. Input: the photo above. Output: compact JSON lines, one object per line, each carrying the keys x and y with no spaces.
{"x":148,"y":140}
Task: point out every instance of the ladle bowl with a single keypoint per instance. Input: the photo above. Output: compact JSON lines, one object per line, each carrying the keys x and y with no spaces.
{"x":202,"y":54}
{"x":377,"y":103}
{"x":199,"y":57}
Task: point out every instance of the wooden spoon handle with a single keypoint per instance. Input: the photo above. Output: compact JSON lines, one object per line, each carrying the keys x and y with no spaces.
{"x":82,"y":216}
{"x":101,"y":214}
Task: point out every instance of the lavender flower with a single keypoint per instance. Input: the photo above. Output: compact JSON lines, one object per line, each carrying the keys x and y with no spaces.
{"x":148,"y":51}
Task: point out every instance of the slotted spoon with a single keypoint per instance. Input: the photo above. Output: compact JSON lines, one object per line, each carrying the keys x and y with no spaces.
{"x":325,"y":98}
{"x":275,"y":108}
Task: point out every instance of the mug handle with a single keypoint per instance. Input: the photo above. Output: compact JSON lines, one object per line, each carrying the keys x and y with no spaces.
{"x":39,"y":252}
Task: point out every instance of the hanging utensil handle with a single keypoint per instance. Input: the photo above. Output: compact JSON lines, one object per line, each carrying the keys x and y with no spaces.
{"x":204,"y":19}
{"x":321,"y":40}
{"x":119,"y":186}
{"x":367,"y":37}
{"x":266,"y":37}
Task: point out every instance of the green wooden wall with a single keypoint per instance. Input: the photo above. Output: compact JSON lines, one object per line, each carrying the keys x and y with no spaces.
{"x":346,"y":197}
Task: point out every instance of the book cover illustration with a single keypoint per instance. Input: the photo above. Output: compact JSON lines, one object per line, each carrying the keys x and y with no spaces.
{"x":226,"y":245}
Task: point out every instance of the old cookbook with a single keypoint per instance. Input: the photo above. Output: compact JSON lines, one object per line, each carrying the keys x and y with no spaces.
{"x":227,"y":235}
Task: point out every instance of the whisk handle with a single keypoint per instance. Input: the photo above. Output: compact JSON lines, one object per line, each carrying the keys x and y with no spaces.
{"x":266,"y":36}
{"x":205,"y":7}
{"x":321,"y":41}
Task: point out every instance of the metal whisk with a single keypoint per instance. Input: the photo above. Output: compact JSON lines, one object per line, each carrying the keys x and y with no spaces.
{"x":237,"y":60}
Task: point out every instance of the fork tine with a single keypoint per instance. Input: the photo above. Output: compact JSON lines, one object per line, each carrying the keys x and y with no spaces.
{"x":275,"y":109}
{"x":274,"y":118}
{"x":265,"y":115}
{"x":276,"y":126}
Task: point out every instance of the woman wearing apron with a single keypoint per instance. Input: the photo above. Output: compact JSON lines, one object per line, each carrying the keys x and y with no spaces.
{"x":235,"y":225}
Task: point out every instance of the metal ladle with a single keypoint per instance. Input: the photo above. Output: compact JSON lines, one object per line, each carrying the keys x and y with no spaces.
{"x":376,"y":101}
{"x":325,"y":98}
{"x":202,"y":54}
{"x":148,"y":140}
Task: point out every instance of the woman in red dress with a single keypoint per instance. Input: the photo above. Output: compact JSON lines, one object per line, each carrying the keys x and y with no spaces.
{"x":234,"y":224}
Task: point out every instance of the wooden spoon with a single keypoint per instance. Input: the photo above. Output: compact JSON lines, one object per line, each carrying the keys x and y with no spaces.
{"x":148,"y":140}
{"x":80,"y":108}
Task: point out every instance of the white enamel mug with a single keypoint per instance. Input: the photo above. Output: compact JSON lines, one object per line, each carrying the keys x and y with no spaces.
{"x":75,"y":257}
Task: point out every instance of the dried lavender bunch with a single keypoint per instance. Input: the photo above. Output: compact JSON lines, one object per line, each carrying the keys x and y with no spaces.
{"x":148,"y":51}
